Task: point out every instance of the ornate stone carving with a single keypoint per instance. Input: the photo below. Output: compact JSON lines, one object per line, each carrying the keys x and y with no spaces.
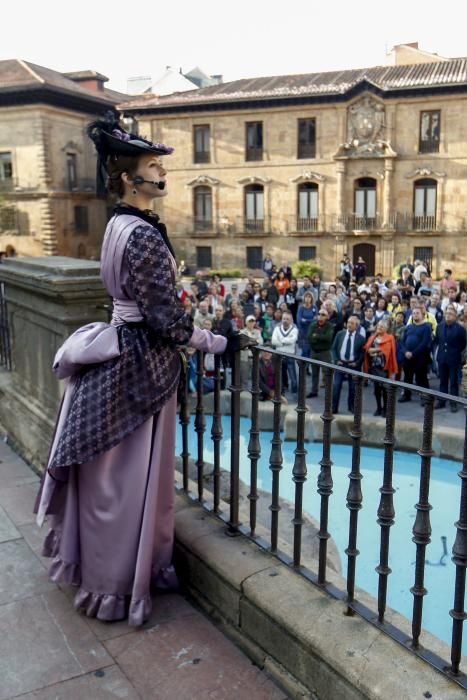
{"x":424,"y":172}
{"x":254,"y":179}
{"x":203,"y":180}
{"x":366,"y":131}
{"x":308,"y":176}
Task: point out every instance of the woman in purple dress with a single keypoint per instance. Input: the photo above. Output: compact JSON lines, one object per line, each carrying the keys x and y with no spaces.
{"x":108,"y":491}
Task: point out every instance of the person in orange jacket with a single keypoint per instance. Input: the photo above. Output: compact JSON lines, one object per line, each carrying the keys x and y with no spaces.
{"x":380,"y":361}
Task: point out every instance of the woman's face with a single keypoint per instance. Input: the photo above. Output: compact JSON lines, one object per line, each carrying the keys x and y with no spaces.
{"x":380,"y":329}
{"x":150,"y":168}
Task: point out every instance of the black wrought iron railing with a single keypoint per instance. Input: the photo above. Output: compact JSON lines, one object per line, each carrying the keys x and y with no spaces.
{"x":5,"y":351}
{"x":421,"y":531}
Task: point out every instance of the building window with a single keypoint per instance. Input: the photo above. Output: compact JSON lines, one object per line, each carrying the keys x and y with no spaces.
{"x":201,"y":143}
{"x":365,"y":204}
{"x":203,"y":256}
{"x":425,"y":254}
{"x":81,"y":219}
{"x":8,"y":219}
{"x":424,"y":213}
{"x":254,"y":257}
{"x":307,"y":252}
{"x":429,"y":131}
{"x":202,"y":202}
{"x":71,"y":170}
{"x":6,"y":169}
{"x":306,"y":138}
{"x":254,"y":141}
{"x":307,"y":214}
{"x":254,"y":208}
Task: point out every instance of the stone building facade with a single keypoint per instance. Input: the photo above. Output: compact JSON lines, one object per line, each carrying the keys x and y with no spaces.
{"x":47,"y":165}
{"x":368,"y":162}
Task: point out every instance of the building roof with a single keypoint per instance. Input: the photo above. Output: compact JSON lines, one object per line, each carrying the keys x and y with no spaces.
{"x":171,"y":81}
{"x":326,"y":85}
{"x":22,"y":82}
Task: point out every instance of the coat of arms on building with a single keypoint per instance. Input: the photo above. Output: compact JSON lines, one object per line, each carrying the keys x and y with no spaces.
{"x":366,"y":130}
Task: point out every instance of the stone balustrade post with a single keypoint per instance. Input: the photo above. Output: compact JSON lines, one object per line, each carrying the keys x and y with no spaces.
{"x":47,"y":299}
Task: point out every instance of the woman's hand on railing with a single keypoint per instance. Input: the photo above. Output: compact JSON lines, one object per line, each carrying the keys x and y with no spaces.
{"x":239,"y":341}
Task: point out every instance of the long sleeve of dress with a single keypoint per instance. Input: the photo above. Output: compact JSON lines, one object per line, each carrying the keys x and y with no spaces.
{"x":152,"y":279}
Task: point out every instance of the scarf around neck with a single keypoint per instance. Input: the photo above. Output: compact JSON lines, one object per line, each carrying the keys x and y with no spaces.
{"x":149,"y":216}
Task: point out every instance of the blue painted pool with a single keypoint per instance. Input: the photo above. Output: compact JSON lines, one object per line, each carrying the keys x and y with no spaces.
{"x":444,"y":497}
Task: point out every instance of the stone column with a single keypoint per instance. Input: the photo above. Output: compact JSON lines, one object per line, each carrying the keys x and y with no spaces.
{"x":340,"y":168}
{"x":387,"y":254}
{"x":47,"y":299}
{"x":48,"y":224}
{"x":388,"y":222}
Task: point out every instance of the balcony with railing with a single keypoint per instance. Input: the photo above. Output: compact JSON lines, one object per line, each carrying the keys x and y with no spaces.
{"x":256,"y":226}
{"x":8,"y":184}
{"x":87,"y":185}
{"x":306,"y":224}
{"x":203,"y":225}
{"x":428,"y":146}
{"x":408,"y":221}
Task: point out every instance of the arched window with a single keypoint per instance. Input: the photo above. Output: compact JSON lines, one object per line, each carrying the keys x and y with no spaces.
{"x":202,"y":202}
{"x":424,"y":204}
{"x":254,"y":208}
{"x":307,"y":202}
{"x":365,"y":203}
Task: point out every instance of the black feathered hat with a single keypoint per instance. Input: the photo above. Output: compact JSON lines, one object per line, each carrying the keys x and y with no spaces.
{"x":110,"y":139}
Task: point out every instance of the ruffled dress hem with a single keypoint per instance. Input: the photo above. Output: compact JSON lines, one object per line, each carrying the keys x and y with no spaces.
{"x":108,"y":607}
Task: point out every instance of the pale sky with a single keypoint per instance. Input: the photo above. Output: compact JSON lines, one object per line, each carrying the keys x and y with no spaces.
{"x":240,"y":39}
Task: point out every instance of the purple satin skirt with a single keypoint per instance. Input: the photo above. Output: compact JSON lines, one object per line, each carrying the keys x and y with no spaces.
{"x":112,"y":522}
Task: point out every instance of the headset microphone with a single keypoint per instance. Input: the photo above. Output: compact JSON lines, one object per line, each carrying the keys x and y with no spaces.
{"x":138,"y":180}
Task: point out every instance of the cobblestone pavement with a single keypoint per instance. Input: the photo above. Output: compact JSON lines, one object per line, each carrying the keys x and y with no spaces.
{"x":50,"y":652}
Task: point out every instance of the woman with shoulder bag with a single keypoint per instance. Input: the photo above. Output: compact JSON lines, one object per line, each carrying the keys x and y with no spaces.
{"x":380,"y":361}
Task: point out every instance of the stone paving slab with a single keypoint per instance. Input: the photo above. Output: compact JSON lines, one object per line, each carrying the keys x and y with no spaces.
{"x":48,"y":651}
{"x":18,"y":502}
{"x":7,"y":530}
{"x":14,"y":472}
{"x":166,"y":607}
{"x":41,"y":643}
{"x":21,"y":574}
{"x":187,"y":661}
{"x":105,"y":684}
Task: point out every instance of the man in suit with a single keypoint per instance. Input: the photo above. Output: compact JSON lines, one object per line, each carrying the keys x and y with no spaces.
{"x":347,"y":351}
{"x":451,"y":342}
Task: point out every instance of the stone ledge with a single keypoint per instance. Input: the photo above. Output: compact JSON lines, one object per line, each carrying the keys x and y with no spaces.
{"x":284,"y":622}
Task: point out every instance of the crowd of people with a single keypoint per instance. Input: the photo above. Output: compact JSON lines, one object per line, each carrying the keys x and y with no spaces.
{"x":409,"y":328}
